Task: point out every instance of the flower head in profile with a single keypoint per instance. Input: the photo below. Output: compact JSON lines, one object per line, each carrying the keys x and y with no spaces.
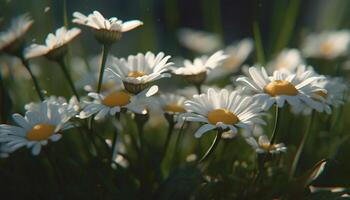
{"x":35,"y":129}
{"x":281,"y":87}
{"x":12,"y":39}
{"x":332,"y":96}
{"x":199,"y":41}
{"x":55,"y":45}
{"x":263,"y":145}
{"x":67,"y":108}
{"x":222,"y":109}
{"x":287,"y":59}
{"x":236,"y":53}
{"x":171,"y":104}
{"x":196,"y":72}
{"x":106,"y":30}
{"x":327,"y":44}
{"x":114,"y":101}
{"x":138,"y":71}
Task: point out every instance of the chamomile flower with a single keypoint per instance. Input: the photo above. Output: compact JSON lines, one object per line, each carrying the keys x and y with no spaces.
{"x":55,"y":44}
{"x":236,"y":53}
{"x":113,"y":102}
{"x":263,"y":145}
{"x":138,"y":71}
{"x":199,"y":41}
{"x":196,"y":72}
{"x":288,"y":59}
{"x":12,"y":40}
{"x":333,"y":95}
{"x":222,"y":109}
{"x":68,"y":108}
{"x":327,"y":45}
{"x":280,"y":88}
{"x":35,"y":129}
{"x":105,"y":30}
{"x":171,"y":104}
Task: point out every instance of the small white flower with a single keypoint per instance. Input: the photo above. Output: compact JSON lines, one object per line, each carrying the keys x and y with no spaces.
{"x":138,"y":71}
{"x":171,"y":104}
{"x":327,"y":45}
{"x":196,"y":72}
{"x":11,"y":40}
{"x":35,"y":129}
{"x":332,"y":96}
{"x":199,"y":41}
{"x":114,"y":101}
{"x":264,"y":146}
{"x":288,"y":59}
{"x":236,"y":53}
{"x":55,"y":44}
{"x":69,"y":109}
{"x":280,"y":88}
{"x":202,"y":64}
{"x":106,"y":30}
{"x":222,"y":109}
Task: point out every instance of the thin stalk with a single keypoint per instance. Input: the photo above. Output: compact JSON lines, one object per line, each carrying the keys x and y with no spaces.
{"x":276,"y":127}
{"x":301,"y":146}
{"x":199,"y":88}
{"x":68,"y":77}
{"x":213,"y":146}
{"x":114,"y":141}
{"x":35,"y":81}
{"x":177,"y":144}
{"x":167,"y":140}
{"x":105,"y":51}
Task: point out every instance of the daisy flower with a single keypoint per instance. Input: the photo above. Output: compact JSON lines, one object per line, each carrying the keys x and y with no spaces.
{"x":35,"y":129}
{"x":113,"y":102}
{"x":106,"y":30}
{"x":12,"y":40}
{"x":327,"y":45}
{"x":68,"y":108}
{"x":196,"y":72}
{"x":263,"y":145}
{"x":199,"y":41}
{"x":236,"y":53}
{"x":222,"y":109}
{"x":288,"y":59}
{"x":333,"y":95}
{"x":280,"y":88}
{"x":138,"y":71}
{"x":172,"y":105}
{"x":55,"y":44}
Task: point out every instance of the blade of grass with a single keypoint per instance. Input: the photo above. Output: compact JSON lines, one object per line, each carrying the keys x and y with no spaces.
{"x":258,"y":44}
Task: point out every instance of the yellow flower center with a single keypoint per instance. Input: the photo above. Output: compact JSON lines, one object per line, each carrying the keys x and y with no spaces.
{"x":117,"y":98}
{"x":222,"y":115}
{"x":136,"y":74}
{"x":280,"y":87}
{"x":174,"y":108}
{"x":326,"y":48}
{"x":108,"y":85}
{"x":40,"y":132}
{"x":322,"y":94}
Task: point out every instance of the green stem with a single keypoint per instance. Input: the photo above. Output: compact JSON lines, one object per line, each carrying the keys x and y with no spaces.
{"x":177,"y":145}
{"x":276,"y":127}
{"x":167,"y":140}
{"x":68,"y":77}
{"x":105,"y":51}
{"x":198,"y":88}
{"x":258,"y":44}
{"x":301,"y":146}
{"x":35,"y":81}
{"x":213,"y":146}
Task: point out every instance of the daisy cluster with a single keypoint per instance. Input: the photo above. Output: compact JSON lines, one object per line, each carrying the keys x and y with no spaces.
{"x":131,"y":85}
